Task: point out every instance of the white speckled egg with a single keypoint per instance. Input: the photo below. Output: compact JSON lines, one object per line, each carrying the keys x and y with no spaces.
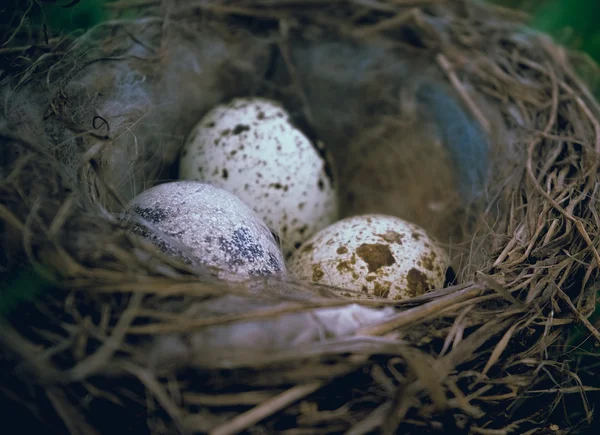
{"x":376,"y":254}
{"x":251,"y":148}
{"x":204,"y":225}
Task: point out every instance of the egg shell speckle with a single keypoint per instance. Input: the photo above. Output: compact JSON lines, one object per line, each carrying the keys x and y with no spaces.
{"x":205,"y":225}
{"x":251,"y":148}
{"x":376,"y":254}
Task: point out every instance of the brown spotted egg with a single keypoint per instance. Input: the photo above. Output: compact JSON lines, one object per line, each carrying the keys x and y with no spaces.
{"x":376,"y":254}
{"x":251,"y":148}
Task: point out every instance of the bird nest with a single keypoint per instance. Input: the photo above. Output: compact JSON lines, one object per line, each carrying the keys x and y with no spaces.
{"x":90,"y":120}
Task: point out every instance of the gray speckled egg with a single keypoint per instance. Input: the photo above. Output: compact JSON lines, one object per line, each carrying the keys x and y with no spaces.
{"x":251,"y":148}
{"x":204,"y":225}
{"x":376,"y":254}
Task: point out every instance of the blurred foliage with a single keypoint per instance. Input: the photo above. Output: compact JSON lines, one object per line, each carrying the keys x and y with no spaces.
{"x":572,"y":24}
{"x":25,"y":285}
{"x":74,"y":15}
{"x":65,"y":16}
{"x":55,"y":16}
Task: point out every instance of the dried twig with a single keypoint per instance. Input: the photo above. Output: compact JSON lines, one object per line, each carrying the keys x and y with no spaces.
{"x":268,"y":407}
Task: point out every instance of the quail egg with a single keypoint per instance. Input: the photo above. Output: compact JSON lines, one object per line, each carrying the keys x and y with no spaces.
{"x":376,"y":254}
{"x":251,"y":148}
{"x":204,"y":225}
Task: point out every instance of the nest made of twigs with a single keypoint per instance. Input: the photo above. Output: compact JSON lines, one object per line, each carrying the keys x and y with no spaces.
{"x":488,"y":354}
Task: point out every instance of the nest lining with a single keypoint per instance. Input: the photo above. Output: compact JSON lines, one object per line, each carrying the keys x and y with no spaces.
{"x":90,"y":122}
